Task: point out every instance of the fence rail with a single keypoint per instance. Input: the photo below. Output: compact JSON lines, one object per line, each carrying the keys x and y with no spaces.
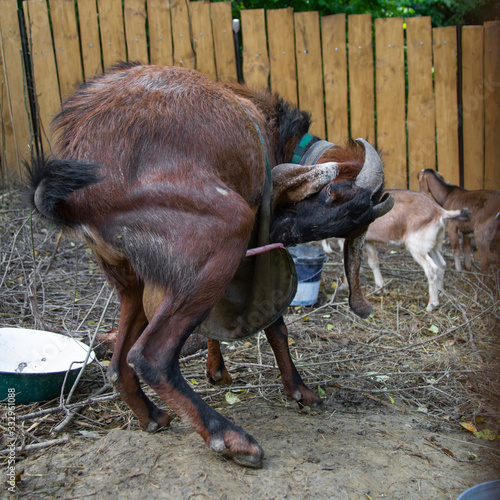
{"x":427,"y":97}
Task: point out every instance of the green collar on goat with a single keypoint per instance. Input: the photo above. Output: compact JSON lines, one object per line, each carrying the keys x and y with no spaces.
{"x":309,"y":150}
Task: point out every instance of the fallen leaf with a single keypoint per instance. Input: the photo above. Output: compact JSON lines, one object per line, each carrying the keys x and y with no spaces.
{"x":487,"y":434}
{"x":232,"y":398}
{"x":469,"y":426}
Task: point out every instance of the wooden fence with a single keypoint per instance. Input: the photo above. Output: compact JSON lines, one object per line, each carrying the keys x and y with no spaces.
{"x":393,"y":81}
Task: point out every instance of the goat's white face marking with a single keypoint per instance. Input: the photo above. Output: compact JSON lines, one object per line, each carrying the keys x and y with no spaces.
{"x":222,"y":191}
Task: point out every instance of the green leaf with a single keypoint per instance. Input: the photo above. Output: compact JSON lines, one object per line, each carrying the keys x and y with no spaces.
{"x":433,"y":329}
{"x":487,"y":434}
{"x":232,"y":398}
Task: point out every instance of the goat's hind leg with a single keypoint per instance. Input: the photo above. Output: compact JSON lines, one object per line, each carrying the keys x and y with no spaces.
{"x":120,"y":373}
{"x":431,"y":270}
{"x":192,"y":277}
{"x":216,"y":370}
{"x":155,"y":357}
{"x":374,"y":264}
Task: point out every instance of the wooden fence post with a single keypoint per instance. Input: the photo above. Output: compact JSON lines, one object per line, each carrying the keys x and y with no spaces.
{"x":282,"y":64}
{"x":390,"y":93}
{"x":361,"y":77}
{"x":421,"y":114}
{"x":491,"y":104}
{"x":333,"y":35}
{"x":309,"y":69}
{"x":255,"y":57}
{"x":15,"y":132}
{"x":473,"y":106}
{"x":445,"y":88}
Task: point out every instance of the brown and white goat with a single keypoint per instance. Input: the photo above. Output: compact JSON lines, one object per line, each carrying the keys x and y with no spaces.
{"x":417,"y":222}
{"x":483,"y":225}
{"x":163,"y":172}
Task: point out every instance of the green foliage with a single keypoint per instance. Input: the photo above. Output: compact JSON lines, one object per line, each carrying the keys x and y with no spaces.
{"x":442,"y":12}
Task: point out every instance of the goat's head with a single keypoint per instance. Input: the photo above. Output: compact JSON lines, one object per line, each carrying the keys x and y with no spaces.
{"x":332,"y":199}
{"x":425,"y":176}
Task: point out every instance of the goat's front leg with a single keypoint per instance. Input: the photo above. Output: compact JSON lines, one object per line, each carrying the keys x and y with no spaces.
{"x":216,"y":371}
{"x":277,"y":335}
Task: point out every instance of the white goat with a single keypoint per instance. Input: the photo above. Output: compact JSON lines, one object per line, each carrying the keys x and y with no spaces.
{"x":417,"y":222}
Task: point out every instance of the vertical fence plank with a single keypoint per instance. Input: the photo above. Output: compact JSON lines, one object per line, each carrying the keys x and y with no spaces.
{"x":333,"y":35}
{"x":203,"y":41}
{"x":134,"y":13}
{"x":473,"y":106}
{"x":361,"y":77}
{"x":181,"y":34}
{"x":222,"y":29}
{"x":89,"y":38}
{"x":255,"y":57}
{"x":112,"y":32}
{"x":421,"y":117}
{"x":8,"y":153}
{"x":282,"y":53}
{"x":492,"y":104}
{"x":309,"y":71}
{"x":160,"y":32}
{"x":66,"y":45}
{"x":390,"y":94}
{"x":16,"y":125}
{"x":44,"y":66}
{"x":445,"y":88}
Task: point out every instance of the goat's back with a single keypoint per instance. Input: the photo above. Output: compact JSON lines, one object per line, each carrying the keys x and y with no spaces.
{"x":413,"y":212}
{"x":153,"y":124}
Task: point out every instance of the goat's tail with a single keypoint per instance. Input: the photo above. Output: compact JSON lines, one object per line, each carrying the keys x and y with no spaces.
{"x":52,"y":180}
{"x":458,"y":215}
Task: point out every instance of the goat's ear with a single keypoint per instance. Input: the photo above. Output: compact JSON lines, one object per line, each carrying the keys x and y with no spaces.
{"x":293,"y":183}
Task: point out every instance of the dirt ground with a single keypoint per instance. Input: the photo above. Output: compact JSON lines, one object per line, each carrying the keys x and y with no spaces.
{"x":399,"y":389}
{"x":347,"y":450}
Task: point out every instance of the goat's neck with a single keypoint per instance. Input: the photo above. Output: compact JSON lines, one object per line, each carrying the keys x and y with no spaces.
{"x":438,"y":188}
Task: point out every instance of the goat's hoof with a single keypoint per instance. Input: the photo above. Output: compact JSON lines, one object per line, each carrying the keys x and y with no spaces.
{"x":220,"y":377}
{"x":160,"y":420}
{"x":312,"y":402}
{"x":255,"y":460}
{"x":307,"y":398}
{"x":431,"y":307}
{"x":241,"y":447}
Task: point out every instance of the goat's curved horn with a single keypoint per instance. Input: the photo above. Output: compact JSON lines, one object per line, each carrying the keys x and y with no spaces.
{"x":372,"y":174}
{"x":386,"y":203}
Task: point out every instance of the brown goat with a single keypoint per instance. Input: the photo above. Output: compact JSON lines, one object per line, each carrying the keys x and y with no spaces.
{"x":484,"y":223}
{"x":163,"y":172}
